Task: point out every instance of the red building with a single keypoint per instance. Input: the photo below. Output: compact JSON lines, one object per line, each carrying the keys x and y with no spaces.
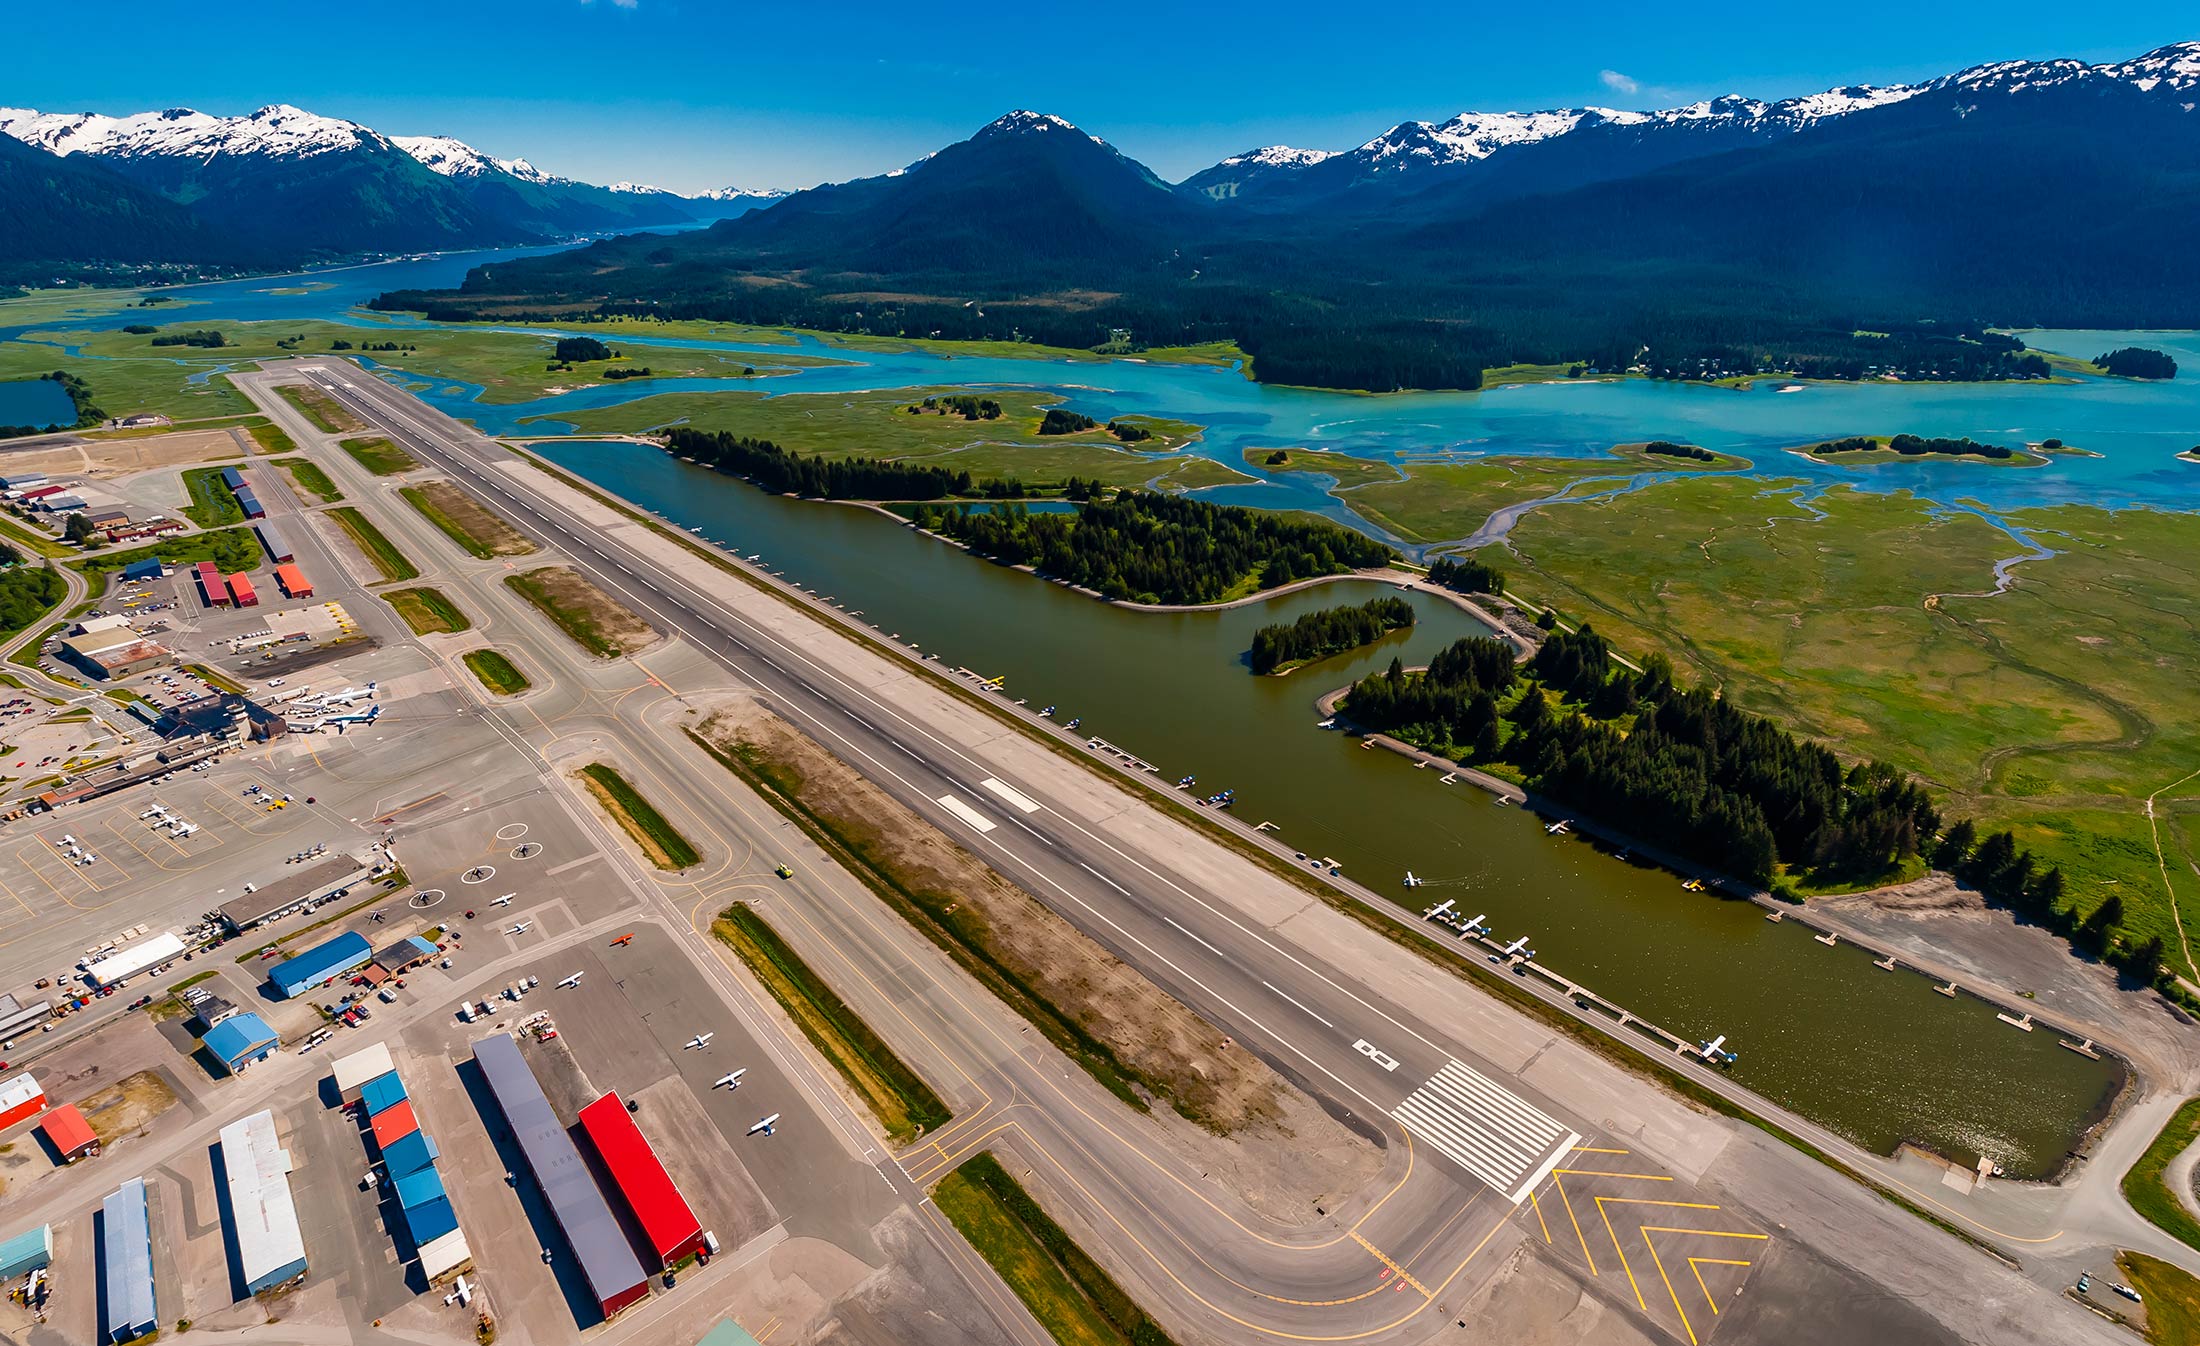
{"x":294,"y":581}
{"x":210,"y":584}
{"x":649,"y":1192}
{"x":240,"y":588}
{"x":20,"y":1097}
{"x":69,"y":1133}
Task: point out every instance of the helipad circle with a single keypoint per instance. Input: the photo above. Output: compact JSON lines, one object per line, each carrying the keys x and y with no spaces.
{"x":527,"y":850}
{"x":425,"y":898}
{"x":511,"y":831}
{"x":478,"y":874}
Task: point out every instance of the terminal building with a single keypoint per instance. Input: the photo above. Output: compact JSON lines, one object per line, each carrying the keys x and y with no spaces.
{"x":263,"y":1216}
{"x":614,"y":1275}
{"x":320,"y":965}
{"x":127,"y":1232}
{"x":331,"y":878}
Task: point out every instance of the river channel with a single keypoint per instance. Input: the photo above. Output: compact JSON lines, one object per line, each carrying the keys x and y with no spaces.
{"x":1880,"y":1058}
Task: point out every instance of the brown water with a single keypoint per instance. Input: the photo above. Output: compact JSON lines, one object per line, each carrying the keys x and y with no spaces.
{"x":1879,"y":1058}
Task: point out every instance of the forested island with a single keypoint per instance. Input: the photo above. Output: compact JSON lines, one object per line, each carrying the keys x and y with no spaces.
{"x":1913,"y":446}
{"x":1144,"y":547}
{"x":1666,"y":448}
{"x":1683,"y":767}
{"x":1467,"y":576}
{"x":2137,"y":362}
{"x":208,"y":337}
{"x":1279,"y":648}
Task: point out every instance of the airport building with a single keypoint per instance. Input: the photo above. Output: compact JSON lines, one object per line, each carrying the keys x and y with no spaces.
{"x":239,"y":1041}
{"x":16,"y":1017}
{"x":20,"y":1099}
{"x":293,"y":581}
{"x":409,"y":1153}
{"x":263,"y":1215}
{"x":29,"y":1251}
{"x":114,"y":652}
{"x":127,"y":1231}
{"x":71,"y":1136}
{"x":600,"y":1248}
{"x":295,"y":892}
{"x":664,"y":1215}
{"x":128,"y":962}
{"x":278,"y":547}
{"x":353,"y":1072}
{"x":320,"y":965}
{"x":380,"y":1094}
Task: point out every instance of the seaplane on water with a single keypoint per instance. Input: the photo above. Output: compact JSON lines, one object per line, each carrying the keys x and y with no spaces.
{"x":766,"y":1126}
{"x":1715,"y":1051}
{"x":1517,"y":949}
{"x":1557,"y":829}
{"x":1437,"y":912}
{"x":1048,"y":712}
{"x":504,"y":901}
{"x":1412,"y":882}
{"x":730,"y":1080}
{"x":573,"y":980}
{"x":699,"y":1040}
{"x":1187,"y":782}
{"x":1473,"y":926}
{"x":520,"y":928}
{"x":1074,"y":723}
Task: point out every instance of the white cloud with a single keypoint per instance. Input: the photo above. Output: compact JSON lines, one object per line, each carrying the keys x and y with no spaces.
{"x":626,"y":4}
{"x":1619,"y":83}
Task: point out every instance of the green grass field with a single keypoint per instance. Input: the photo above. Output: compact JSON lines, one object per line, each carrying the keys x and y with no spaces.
{"x":427,"y":611}
{"x":1348,"y":470}
{"x":272,"y":438}
{"x":1071,"y":1295}
{"x":378,"y":548}
{"x":213,"y":504}
{"x":904,"y":1104}
{"x":879,"y":424}
{"x":2145,"y":1188}
{"x":497,"y":673}
{"x":322,"y":412}
{"x":1445,"y":501}
{"x":2172,"y":1298}
{"x":311,"y":477}
{"x":379,"y":456}
{"x":2054,"y":709}
{"x":651,"y":830}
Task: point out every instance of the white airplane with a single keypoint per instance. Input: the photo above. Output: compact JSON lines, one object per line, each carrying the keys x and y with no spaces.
{"x":461,"y":1294}
{"x":732,"y":1081}
{"x":520,"y":929}
{"x":766,"y":1126}
{"x":1518,"y":946}
{"x":573,"y":980}
{"x":699,"y":1040}
{"x":504,"y":901}
{"x":1412,"y":882}
{"x":1715,"y":1051}
{"x":1436,"y":912}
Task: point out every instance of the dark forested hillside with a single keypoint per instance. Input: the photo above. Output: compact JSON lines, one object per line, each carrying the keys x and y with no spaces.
{"x":74,"y":217}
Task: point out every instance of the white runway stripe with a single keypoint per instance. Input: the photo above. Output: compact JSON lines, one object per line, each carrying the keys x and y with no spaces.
{"x":1485,"y":1128}
{"x":1014,"y":796}
{"x":967,"y":813}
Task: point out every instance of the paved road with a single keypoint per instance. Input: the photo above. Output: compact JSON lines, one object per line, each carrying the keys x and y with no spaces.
{"x":1480,"y":1141}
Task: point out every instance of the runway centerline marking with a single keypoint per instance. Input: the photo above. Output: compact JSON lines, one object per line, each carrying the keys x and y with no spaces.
{"x":1295,"y":1000}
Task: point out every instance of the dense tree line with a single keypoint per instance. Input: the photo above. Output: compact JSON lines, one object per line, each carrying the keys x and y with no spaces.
{"x":1060,"y":422}
{"x":200,"y":336}
{"x":1127,"y":432}
{"x":1326,"y":632}
{"x":966,"y":405}
{"x":2008,"y":875}
{"x":339,"y":344}
{"x":1666,"y":448}
{"x":1914,"y":446}
{"x":26,"y":593}
{"x":775,"y":469}
{"x":1146,"y":547}
{"x":1466,"y":576}
{"x":579,"y":350}
{"x":2137,"y":362}
{"x":1706,"y":780}
{"x":627,"y":372}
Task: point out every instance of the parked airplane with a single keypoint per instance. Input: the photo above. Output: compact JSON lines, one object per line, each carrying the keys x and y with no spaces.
{"x":766,"y":1126}
{"x":573,"y":980}
{"x":520,"y":929}
{"x":1714,"y":1051}
{"x":730,"y":1081}
{"x":461,"y":1294}
{"x":699,"y":1040}
{"x":1518,"y":946}
{"x":504,"y":901}
{"x":1438,"y":910}
{"x":623,"y":940}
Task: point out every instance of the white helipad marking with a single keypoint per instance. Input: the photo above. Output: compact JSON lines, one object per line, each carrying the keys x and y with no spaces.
{"x":1486,"y":1129}
{"x":967,"y":813}
{"x":1015,"y":797}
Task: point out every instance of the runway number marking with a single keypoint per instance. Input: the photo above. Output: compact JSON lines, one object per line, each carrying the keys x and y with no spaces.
{"x":1016,"y":798}
{"x":967,"y":813}
{"x":1375,"y":1054}
{"x":1486,"y":1129}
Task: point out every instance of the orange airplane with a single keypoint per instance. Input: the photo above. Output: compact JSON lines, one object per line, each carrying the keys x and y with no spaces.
{"x":627,"y":938}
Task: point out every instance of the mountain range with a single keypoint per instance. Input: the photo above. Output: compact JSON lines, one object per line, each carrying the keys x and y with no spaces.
{"x":282,"y":186}
{"x":1853,"y":233}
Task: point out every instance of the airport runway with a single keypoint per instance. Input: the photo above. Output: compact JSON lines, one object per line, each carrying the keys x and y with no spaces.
{"x":1482,"y":1149}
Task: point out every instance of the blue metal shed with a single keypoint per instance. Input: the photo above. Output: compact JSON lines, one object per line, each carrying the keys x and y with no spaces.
{"x":128,"y":1228}
{"x":420,"y":1187}
{"x":320,"y":964}
{"x":383,"y":1091}
{"x":430,"y":1221}
{"x":232,"y":478}
{"x":241,"y":1040}
{"x":145,"y":570}
{"x":410,"y":1153}
{"x":26,"y":1252}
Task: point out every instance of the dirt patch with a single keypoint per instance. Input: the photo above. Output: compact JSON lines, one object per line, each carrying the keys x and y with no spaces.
{"x":127,"y":1105}
{"x":1935,"y":894}
{"x":597,"y":621}
{"x":107,"y":458}
{"x":477,"y":521}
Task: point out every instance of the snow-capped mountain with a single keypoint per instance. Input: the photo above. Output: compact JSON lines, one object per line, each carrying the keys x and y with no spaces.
{"x":740,"y":194}
{"x":275,"y":130}
{"x":456,"y":159}
{"x":1228,"y":178}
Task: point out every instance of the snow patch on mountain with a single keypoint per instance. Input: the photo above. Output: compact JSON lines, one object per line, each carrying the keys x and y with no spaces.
{"x":278,"y":130}
{"x":1277,"y":156}
{"x":739,"y":193}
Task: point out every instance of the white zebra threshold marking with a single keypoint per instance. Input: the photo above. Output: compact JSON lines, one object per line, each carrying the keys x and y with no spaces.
{"x":1016,"y":798}
{"x":1485,"y":1128}
{"x":967,"y":813}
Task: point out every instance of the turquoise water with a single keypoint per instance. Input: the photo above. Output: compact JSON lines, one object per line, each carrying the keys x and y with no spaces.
{"x":35,"y":402}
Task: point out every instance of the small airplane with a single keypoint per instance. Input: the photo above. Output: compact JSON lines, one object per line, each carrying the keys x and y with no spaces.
{"x":699,"y":1040}
{"x":730,"y":1081}
{"x":504,"y":901}
{"x":573,"y":980}
{"x":1518,"y":947}
{"x":1437,"y":912}
{"x":521,"y":928}
{"x":461,"y":1294}
{"x":1715,"y":1051}
{"x":623,"y":940}
{"x":1558,"y":829}
{"x":1412,"y":882}
{"x":766,"y":1126}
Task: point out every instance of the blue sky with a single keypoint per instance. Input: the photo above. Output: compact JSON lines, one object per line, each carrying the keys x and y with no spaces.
{"x":690,"y":94}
